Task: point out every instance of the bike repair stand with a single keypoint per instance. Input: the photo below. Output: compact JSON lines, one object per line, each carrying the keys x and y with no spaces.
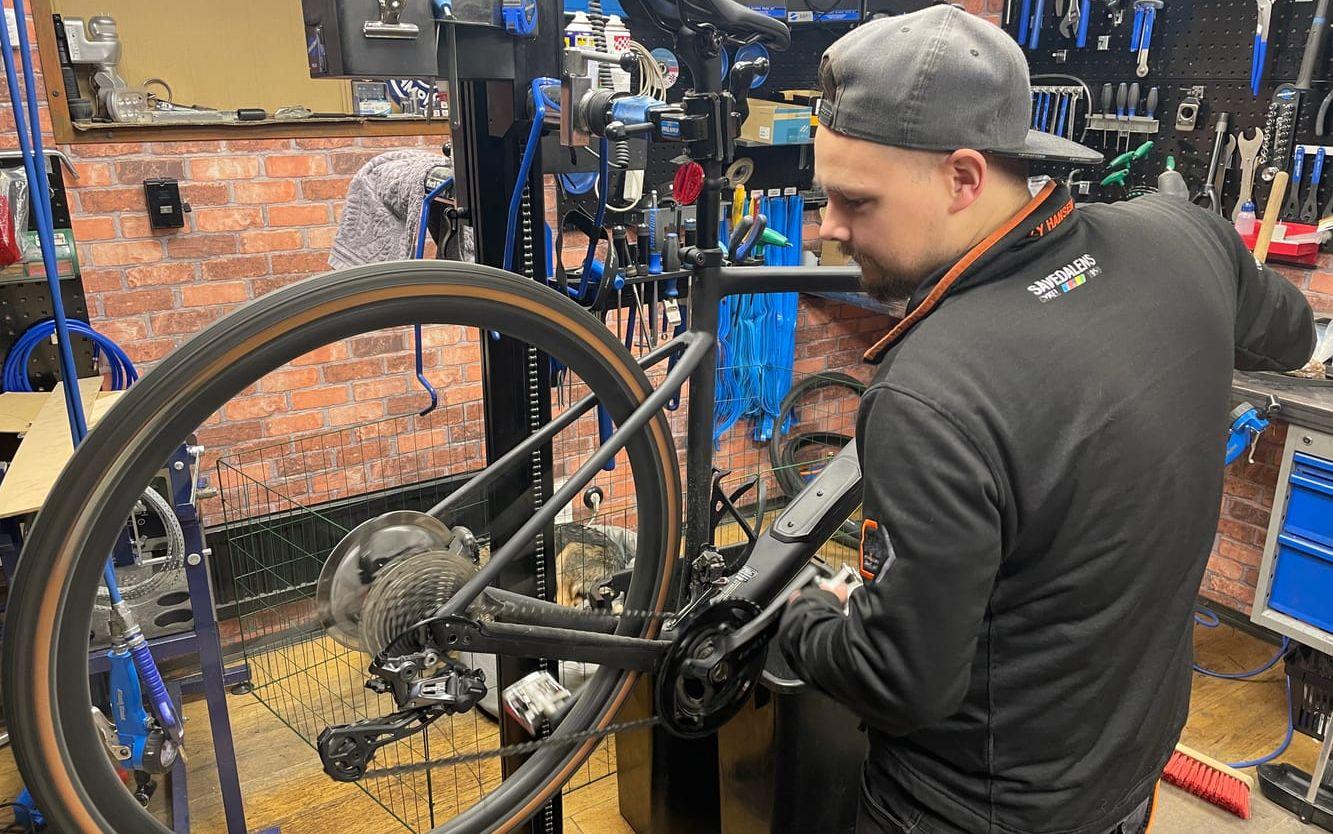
{"x":201,"y":639}
{"x":489,"y":74}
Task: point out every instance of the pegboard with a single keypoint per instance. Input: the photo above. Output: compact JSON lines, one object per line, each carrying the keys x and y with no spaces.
{"x":23,"y":304}
{"x":24,"y":301}
{"x":1204,"y":43}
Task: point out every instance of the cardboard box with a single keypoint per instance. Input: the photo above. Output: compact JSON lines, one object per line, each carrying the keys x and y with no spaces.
{"x":775,"y":123}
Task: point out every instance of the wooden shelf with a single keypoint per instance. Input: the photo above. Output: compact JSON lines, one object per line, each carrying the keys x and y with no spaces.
{"x":266,"y":129}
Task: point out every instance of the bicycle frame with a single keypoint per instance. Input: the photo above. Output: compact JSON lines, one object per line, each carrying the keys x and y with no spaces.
{"x":780,"y":552}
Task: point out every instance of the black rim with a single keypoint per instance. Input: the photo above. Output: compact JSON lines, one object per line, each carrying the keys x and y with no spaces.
{"x":60,"y":570}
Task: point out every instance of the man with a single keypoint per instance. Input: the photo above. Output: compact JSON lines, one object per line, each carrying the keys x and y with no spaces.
{"x":1041,"y":447}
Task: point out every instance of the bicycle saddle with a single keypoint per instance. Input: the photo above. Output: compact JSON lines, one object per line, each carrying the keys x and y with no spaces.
{"x":733,"y":19}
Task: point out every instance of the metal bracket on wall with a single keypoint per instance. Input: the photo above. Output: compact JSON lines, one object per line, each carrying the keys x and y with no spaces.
{"x":1187,"y":114}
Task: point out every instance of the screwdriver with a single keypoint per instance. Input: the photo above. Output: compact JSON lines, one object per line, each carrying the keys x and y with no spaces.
{"x":1132,"y":111}
{"x":1150,"y":108}
{"x":1108,"y":93}
{"x":1121,"y":95}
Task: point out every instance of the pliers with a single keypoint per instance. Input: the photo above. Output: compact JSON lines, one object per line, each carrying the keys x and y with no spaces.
{"x":1260,"y":55}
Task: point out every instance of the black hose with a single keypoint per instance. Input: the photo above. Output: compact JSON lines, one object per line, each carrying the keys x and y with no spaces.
{"x":783,"y":448}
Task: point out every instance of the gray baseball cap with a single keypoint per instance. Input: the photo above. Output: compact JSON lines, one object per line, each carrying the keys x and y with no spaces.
{"x":938,"y":79}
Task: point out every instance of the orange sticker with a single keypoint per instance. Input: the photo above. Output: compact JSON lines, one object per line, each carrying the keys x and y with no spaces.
{"x":868,"y":529}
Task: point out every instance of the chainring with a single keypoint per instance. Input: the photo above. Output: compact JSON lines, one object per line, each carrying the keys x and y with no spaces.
{"x":703,"y":682}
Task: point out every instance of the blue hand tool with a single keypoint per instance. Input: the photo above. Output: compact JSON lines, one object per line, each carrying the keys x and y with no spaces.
{"x":1036,"y":24}
{"x":1247,"y":423}
{"x":1085,"y":12}
{"x":1292,"y":208}
{"x":1023,"y":19}
{"x":1310,"y":209}
{"x":1260,"y":54}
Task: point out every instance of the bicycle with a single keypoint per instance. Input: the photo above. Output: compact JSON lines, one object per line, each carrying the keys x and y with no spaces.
{"x":706,"y":658}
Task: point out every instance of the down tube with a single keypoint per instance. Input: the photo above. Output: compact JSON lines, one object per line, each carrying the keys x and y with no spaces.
{"x":788,"y":544}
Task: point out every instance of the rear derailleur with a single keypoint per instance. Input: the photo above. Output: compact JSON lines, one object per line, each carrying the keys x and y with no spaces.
{"x":424,"y":684}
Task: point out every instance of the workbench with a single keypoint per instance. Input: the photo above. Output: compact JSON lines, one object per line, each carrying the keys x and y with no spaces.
{"x":1303,"y":402}
{"x":45,"y":445}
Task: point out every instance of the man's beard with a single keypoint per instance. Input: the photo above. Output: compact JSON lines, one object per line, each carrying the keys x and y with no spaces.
{"x":881,"y":282}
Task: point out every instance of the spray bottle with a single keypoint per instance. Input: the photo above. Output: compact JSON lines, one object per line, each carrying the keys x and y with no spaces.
{"x":579,"y":32}
{"x":617,"y":43}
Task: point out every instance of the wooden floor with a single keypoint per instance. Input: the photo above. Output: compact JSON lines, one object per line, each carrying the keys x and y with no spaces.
{"x":284,"y":786}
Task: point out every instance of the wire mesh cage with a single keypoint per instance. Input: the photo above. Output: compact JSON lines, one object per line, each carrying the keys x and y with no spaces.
{"x":287,"y":505}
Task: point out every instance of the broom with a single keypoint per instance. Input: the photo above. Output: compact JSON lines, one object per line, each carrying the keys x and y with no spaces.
{"x":1210,"y":780}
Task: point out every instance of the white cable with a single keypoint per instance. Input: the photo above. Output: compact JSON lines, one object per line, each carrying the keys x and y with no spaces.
{"x":651,"y":80}
{"x":596,"y":192}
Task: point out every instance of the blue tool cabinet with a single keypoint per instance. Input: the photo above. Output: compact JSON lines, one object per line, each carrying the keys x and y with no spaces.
{"x":1295,"y":592}
{"x":1303,"y":564}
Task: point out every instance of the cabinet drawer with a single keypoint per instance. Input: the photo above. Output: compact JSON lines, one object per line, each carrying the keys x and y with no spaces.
{"x":1303,"y":581}
{"x":1310,"y":502}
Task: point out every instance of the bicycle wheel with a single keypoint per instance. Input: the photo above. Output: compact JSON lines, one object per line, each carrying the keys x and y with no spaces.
{"x":47,"y":624}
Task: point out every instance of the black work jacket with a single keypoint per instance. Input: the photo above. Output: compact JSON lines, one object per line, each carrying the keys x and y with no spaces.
{"x":1042,"y":450}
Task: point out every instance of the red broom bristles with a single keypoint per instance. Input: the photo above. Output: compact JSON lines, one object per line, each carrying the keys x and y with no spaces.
{"x":1210,"y":780}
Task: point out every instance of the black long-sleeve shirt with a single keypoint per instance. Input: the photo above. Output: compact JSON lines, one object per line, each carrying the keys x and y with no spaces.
{"x":1042,"y":453}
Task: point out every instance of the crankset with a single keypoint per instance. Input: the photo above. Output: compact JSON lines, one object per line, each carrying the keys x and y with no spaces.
{"x":709,"y":673}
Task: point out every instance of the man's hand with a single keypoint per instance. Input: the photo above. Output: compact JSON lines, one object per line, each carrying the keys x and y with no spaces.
{"x":841,"y":590}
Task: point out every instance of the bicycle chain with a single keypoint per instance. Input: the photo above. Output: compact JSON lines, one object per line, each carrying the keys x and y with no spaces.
{"x":508,"y":750}
{"x":523,"y":747}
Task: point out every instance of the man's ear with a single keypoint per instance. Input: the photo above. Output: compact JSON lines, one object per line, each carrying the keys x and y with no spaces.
{"x":968,"y":177}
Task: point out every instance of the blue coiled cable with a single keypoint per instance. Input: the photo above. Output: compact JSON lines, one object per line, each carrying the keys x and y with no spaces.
{"x":1207,"y":619}
{"x":15,"y":375}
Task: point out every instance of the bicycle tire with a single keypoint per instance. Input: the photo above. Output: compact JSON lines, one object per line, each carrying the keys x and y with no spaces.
{"x":46,"y":650}
{"x":782,"y":446}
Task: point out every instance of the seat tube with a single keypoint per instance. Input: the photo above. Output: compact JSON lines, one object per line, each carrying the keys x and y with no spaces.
{"x":704,"y":304}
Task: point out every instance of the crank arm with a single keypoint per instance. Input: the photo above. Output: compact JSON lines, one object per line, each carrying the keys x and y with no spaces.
{"x":522,"y":640}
